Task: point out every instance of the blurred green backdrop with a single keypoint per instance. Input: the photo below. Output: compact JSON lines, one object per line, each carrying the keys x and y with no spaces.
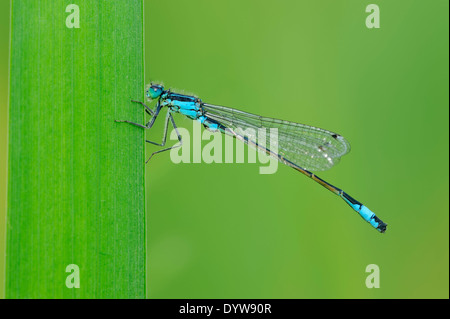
{"x":225,"y":231}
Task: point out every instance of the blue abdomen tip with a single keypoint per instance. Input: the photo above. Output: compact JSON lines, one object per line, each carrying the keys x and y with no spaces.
{"x":372,"y":219}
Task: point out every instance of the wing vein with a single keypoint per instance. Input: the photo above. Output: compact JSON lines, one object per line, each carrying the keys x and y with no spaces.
{"x":310,"y":147}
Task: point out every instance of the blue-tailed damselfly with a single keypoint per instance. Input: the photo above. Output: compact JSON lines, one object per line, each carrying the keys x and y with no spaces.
{"x":300,"y":146}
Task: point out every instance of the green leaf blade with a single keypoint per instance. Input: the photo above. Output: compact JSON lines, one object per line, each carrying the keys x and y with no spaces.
{"x":76,"y":177}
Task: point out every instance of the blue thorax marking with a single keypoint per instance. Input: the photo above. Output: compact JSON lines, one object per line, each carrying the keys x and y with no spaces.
{"x":189,"y":106}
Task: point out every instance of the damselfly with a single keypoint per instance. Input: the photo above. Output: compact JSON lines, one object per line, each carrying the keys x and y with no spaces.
{"x":300,"y":146}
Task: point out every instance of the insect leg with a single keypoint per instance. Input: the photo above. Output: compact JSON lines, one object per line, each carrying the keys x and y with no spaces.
{"x":147,"y":109}
{"x":174,"y":146}
{"x":166,"y":125}
{"x":152,"y":120}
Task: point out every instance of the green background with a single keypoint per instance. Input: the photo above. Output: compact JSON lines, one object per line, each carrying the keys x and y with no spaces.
{"x":225,"y":231}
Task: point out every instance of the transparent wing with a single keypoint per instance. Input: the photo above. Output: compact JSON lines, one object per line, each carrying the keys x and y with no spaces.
{"x":310,"y":147}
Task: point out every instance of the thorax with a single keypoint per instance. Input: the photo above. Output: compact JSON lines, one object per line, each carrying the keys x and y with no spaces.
{"x":187,"y":105}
